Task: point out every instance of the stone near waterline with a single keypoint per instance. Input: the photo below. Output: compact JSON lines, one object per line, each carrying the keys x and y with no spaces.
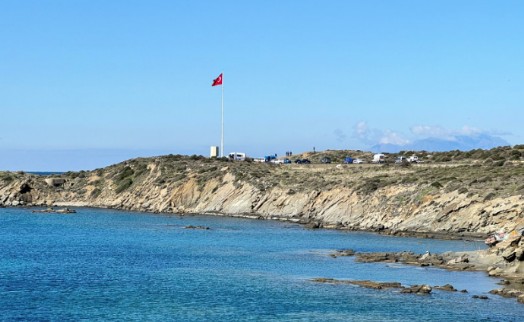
{"x":426,"y":256}
{"x":457,"y":260}
{"x":376,"y":285}
{"x":364,"y":283}
{"x":343,"y":252}
{"x":313,"y":225}
{"x":509,"y":293}
{"x":447,"y":287}
{"x":374,"y":257}
{"x":495,"y":271}
{"x":417,"y":289}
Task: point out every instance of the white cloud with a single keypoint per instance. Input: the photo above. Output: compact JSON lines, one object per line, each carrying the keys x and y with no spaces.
{"x":365,"y":134}
{"x":426,"y":131}
{"x":390,"y":137}
{"x":429,"y":137}
{"x":431,"y":131}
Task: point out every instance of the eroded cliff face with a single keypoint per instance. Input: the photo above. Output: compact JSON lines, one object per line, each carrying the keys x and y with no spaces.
{"x":272,"y":192}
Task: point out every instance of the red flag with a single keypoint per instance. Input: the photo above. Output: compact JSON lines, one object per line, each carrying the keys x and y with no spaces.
{"x":217,"y":81}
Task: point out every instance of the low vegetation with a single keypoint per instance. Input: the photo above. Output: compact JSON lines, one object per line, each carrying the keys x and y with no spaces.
{"x":485,"y":173}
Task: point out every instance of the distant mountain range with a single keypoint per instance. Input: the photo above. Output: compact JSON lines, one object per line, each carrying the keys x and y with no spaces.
{"x":460,"y":142}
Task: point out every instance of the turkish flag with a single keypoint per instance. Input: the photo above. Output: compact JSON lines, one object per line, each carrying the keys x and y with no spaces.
{"x":217,"y":81}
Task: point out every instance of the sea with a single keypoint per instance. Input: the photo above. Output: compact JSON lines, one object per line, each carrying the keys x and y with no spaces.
{"x":104,"y":265}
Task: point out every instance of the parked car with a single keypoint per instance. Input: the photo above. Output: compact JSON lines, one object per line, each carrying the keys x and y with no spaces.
{"x":302,"y":161}
{"x":358,"y":161}
{"x":401,"y":160}
{"x":281,"y":161}
{"x":325,"y":160}
{"x":348,"y":160}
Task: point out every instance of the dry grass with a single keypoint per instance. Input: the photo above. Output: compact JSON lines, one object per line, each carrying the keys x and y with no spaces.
{"x":466,"y":175}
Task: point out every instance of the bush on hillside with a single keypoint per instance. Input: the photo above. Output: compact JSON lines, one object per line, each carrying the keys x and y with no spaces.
{"x":124,"y":184}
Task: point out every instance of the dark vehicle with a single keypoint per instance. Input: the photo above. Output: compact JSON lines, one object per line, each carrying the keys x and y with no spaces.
{"x":302,"y":161}
{"x":287,"y":161}
{"x":325,"y":160}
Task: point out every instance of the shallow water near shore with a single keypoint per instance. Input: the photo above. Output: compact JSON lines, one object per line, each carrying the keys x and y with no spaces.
{"x":115,"y":265}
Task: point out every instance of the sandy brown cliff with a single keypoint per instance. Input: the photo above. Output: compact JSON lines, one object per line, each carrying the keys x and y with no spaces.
{"x":459,"y":199}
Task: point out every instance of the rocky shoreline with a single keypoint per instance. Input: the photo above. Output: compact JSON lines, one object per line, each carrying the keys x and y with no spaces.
{"x":458,"y":201}
{"x":423,"y":289}
{"x":488,"y":261}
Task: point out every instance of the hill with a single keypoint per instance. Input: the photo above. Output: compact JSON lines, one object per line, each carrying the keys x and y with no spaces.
{"x":452,"y":194}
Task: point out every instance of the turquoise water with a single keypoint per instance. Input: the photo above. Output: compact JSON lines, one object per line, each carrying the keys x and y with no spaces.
{"x":114,"y":265}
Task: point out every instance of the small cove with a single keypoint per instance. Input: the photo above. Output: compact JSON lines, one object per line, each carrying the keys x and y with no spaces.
{"x":107,"y":265}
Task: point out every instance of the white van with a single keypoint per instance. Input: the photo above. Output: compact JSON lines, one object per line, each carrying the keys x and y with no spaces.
{"x":379,"y":158}
{"x":237,"y":156}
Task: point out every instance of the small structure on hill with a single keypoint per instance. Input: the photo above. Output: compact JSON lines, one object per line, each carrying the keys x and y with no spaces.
{"x":213,"y":153}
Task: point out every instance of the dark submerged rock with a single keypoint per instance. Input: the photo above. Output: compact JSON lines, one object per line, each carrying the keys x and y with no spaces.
{"x":197,"y":227}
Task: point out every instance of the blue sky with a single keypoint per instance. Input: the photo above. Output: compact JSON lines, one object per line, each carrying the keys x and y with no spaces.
{"x":87,"y":83}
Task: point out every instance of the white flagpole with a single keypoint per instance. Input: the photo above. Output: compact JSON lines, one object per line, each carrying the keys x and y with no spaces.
{"x":222,"y":136}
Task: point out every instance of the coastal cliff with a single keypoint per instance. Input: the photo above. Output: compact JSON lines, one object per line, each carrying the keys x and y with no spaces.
{"x":443,"y":200}
{"x":467,"y":199}
{"x":434,"y":198}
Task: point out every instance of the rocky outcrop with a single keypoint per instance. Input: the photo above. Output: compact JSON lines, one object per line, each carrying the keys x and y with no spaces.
{"x":447,"y":288}
{"x":415,"y":289}
{"x":491,"y":261}
{"x":342,"y":253}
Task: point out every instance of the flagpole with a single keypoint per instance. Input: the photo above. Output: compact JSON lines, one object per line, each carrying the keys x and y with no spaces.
{"x":222,"y":136}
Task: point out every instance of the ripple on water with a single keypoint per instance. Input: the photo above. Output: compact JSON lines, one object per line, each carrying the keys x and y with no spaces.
{"x":108,"y":265}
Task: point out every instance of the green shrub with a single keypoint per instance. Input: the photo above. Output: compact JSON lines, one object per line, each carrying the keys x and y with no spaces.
{"x":126,"y":172}
{"x":140,"y":170}
{"x":409,"y":179}
{"x":124,"y":184}
{"x":436,"y":184}
{"x":489,"y":196}
{"x":369,"y":186}
{"x":96,"y":192}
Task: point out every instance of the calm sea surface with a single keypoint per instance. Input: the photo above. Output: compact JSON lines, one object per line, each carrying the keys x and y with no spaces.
{"x":115,"y":265}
